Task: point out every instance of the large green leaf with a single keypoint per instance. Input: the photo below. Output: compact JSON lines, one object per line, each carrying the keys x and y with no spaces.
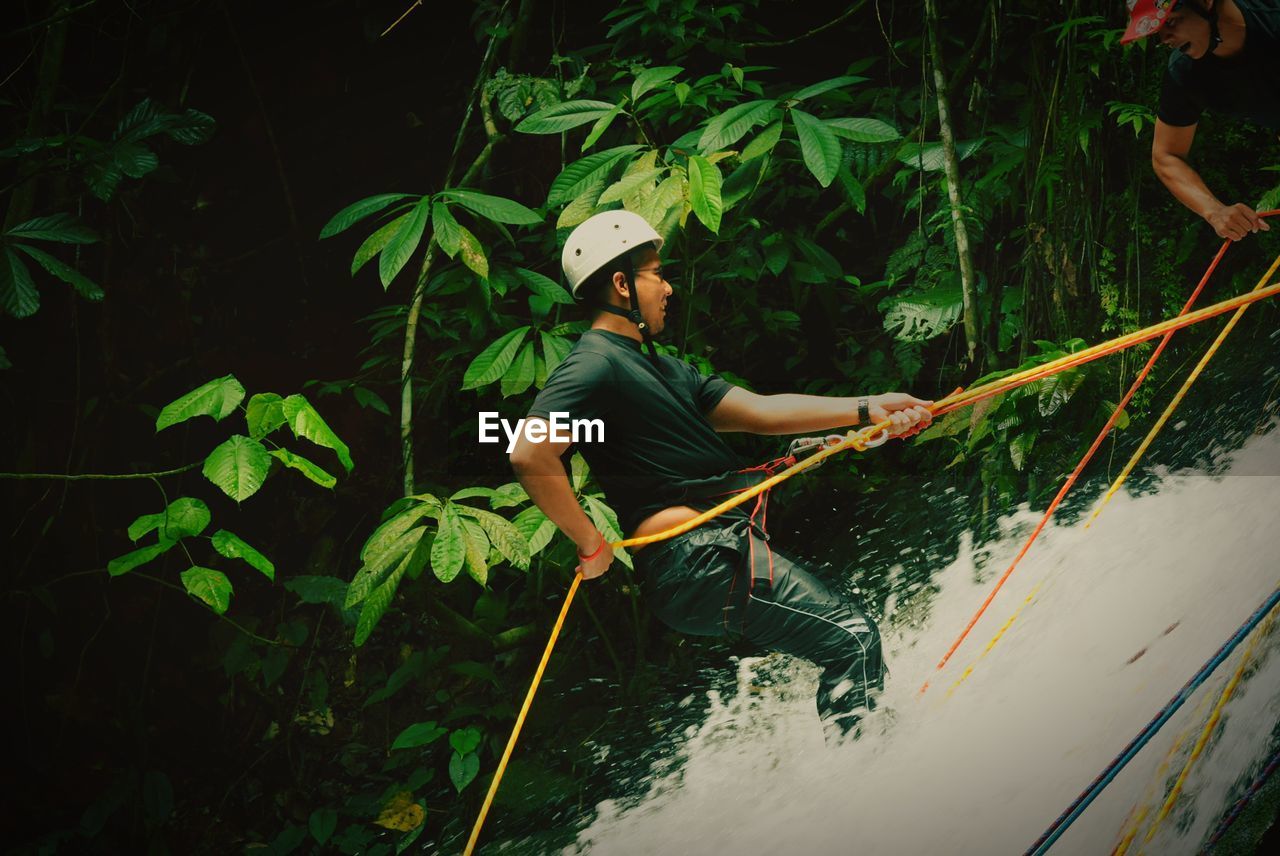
{"x":918,"y":316}
{"x":239,"y":466}
{"x":704,"y":192}
{"x":630,"y":183}
{"x":379,"y":600}
{"x":502,"y":534}
{"x":554,"y":350}
{"x":651,"y":78}
{"x":826,"y":86}
{"x":446,"y":228}
{"x":217,"y":398}
{"x":1057,"y":389}
{"x":463,"y":770}
{"x":144,"y":524}
{"x":307,"y":468}
{"x":763,"y":143}
{"x":543,"y":286}
{"x":477,"y":557}
{"x":606,"y":520}
{"x":357,"y":211}
{"x":493,"y":361}
{"x":377,"y":242}
{"x":233,"y":547}
{"x":732,"y":125}
{"x":519,"y":376}
{"x":495,"y":208}
{"x":418,"y":734}
{"x":473,"y":253}
{"x":562,"y":117}
{"x":818,"y":145}
{"x":931,"y":157}
{"x":263,"y":414}
{"x":581,"y":174}
{"x":602,"y":124}
{"x":18,"y":295}
{"x":1020,"y":449}
{"x":129,"y":561}
{"x":373,"y":571}
{"x":390,"y":531}
{"x":535,"y":527}
{"x":185,"y":516}
{"x":863,"y":130}
{"x":308,"y":424}
{"x":87,"y":288}
{"x":63,"y":228}
{"x":583,"y":207}
{"x":404,"y":243}
{"x":208,"y":585}
{"x":449,"y":550}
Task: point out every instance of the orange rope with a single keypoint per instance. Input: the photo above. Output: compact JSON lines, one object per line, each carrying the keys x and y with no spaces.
{"x":1088,"y":456}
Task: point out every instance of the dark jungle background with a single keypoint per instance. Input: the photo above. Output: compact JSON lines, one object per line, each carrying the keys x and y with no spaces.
{"x":302,"y":615}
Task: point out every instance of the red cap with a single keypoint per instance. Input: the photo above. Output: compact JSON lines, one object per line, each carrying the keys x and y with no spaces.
{"x":1146,"y":17}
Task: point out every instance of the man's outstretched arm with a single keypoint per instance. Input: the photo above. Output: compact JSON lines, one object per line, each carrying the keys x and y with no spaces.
{"x":794,"y":413}
{"x":541,"y":474}
{"x":1169,"y":151}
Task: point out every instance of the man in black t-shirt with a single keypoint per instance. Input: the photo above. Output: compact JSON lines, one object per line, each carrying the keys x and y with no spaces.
{"x":661,"y":460}
{"x":1224,"y":61}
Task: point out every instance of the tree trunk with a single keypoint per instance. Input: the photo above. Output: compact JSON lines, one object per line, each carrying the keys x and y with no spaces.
{"x":952,"y":163}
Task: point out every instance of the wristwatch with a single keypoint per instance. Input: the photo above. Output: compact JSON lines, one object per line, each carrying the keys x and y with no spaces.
{"x":864,"y":411}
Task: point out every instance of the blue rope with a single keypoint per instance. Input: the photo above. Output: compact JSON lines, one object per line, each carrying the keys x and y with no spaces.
{"x":1059,"y":826}
{"x":1235,"y":810}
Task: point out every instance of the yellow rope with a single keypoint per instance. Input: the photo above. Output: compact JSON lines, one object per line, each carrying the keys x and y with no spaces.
{"x":1207,"y":731}
{"x":1177,"y":399}
{"x":524,"y":711}
{"x":1136,"y":815}
{"x":994,"y":639}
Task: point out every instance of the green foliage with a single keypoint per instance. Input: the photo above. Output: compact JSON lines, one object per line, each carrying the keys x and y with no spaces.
{"x":217,"y":398}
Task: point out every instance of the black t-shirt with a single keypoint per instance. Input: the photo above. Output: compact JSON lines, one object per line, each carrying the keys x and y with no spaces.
{"x":1245,"y":86}
{"x":659,"y":449}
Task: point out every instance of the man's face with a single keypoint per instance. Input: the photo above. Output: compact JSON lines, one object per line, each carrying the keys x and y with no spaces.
{"x":1186,"y":32}
{"x":652,"y":290}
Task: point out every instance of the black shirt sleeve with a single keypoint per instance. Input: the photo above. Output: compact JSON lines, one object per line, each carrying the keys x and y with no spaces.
{"x":706,"y":390}
{"x":578,"y":387}
{"x":1177,"y":105}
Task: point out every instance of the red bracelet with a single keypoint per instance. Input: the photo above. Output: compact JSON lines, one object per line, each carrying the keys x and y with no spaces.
{"x":603,"y":541}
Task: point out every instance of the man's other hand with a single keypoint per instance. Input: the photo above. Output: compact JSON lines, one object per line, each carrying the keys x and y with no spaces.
{"x":907,"y":414}
{"x":1235,"y":221}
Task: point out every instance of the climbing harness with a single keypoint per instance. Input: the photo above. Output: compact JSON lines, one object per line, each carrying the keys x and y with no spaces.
{"x":1088,"y":455}
{"x":1073,"y":811}
{"x":869,"y":437}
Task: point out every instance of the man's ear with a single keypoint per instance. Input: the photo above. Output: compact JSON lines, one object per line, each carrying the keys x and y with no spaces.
{"x":620,"y":284}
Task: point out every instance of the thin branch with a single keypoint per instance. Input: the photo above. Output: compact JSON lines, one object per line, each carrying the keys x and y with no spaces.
{"x":54,"y":19}
{"x":854,"y":8}
{"x":101,"y":476}
{"x":290,"y":208}
{"x":403,"y":15}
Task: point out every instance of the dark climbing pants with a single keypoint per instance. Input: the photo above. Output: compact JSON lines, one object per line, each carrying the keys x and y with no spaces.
{"x":701,"y":583}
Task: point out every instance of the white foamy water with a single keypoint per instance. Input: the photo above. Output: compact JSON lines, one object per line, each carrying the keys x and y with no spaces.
{"x":986,"y":768}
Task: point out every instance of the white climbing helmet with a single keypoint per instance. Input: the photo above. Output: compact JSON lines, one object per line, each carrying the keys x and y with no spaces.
{"x":599,"y":240}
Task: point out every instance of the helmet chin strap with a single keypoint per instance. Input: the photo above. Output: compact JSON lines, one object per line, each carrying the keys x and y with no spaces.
{"x":634,"y":315}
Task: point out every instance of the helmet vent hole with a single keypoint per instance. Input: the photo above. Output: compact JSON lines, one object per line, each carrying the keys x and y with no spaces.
{"x":577,"y":252}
